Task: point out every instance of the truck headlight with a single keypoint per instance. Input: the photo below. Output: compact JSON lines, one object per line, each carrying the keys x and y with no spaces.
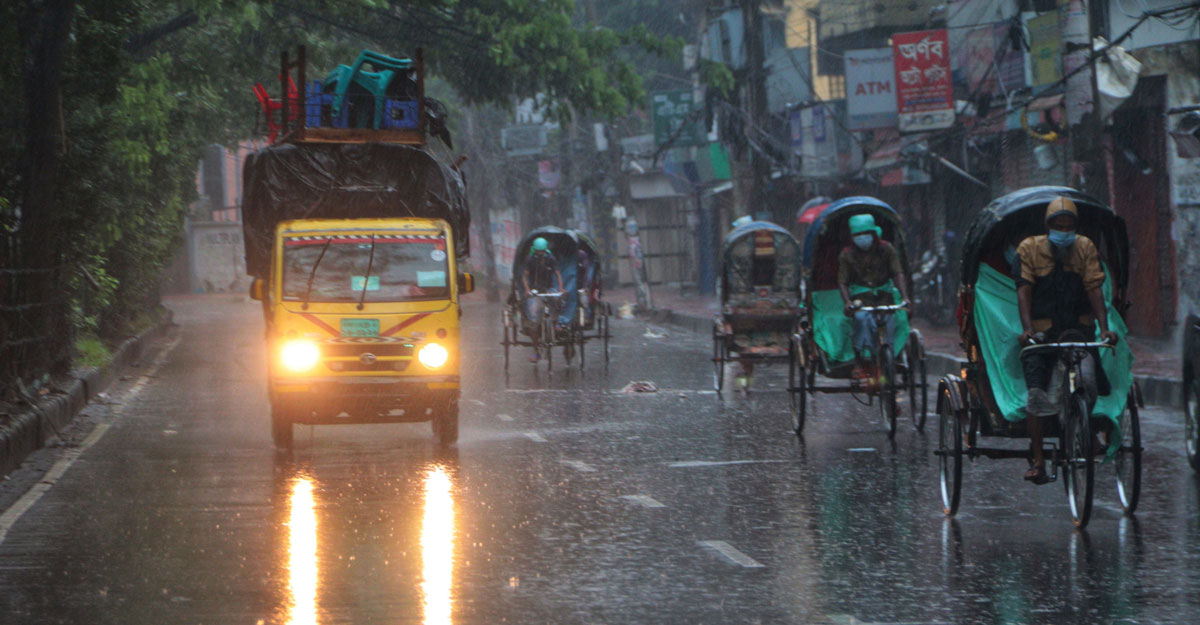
{"x":300,"y":355}
{"x":433,"y":355}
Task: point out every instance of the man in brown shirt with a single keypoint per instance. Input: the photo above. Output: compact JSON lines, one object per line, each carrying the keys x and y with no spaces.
{"x":1059,"y":282}
{"x":869,"y":266}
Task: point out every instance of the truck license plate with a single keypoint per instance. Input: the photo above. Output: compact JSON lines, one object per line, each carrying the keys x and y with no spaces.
{"x":360,"y":327}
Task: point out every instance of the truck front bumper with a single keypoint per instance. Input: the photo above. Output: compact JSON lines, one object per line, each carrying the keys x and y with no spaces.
{"x":364,"y":399}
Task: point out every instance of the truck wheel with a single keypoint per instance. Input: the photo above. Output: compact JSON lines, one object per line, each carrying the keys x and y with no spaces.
{"x":445,"y":423}
{"x":281,"y":428}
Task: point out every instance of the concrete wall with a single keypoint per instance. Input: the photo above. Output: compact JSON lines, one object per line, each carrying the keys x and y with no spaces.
{"x":216,"y":257}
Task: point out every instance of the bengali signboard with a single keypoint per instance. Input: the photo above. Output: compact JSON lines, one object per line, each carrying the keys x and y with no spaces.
{"x":924,"y":96}
{"x":870,"y":89}
{"x":676,"y":119}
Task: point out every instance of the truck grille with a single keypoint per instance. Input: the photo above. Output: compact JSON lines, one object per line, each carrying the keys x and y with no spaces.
{"x":354,"y":366}
{"x":354,"y":350}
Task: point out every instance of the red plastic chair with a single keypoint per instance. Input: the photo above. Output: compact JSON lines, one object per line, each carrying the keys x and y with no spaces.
{"x":270,"y":106}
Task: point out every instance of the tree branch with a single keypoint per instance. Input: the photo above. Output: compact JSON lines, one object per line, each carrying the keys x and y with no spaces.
{"x":139,"y":42}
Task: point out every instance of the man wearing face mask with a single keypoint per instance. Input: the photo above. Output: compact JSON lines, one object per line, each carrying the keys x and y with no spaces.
{"x":1059,"y":280}
{"x":870,"y":268}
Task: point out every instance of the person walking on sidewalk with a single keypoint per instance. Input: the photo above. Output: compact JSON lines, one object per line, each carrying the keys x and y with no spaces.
{"x":1059,"y":280}
{"x":869,"y":274}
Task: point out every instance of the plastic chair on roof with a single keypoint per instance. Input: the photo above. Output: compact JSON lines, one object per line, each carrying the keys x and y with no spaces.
{"x":270,"y":106}
{"x":374,"y":83}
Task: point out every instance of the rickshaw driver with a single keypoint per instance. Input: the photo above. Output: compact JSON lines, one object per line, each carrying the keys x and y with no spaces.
{"x":540,"y":274}
{"x":869,"y":262}
{"x":1059,"y":289}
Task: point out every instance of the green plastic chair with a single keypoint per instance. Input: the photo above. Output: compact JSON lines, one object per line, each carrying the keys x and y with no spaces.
{"x":374,"y":82}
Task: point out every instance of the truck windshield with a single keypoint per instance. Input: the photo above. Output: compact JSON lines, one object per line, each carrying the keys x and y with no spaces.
{"x":408,"y":267}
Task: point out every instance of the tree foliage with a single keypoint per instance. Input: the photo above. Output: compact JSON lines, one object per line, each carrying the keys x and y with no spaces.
{"x":143,"y":86}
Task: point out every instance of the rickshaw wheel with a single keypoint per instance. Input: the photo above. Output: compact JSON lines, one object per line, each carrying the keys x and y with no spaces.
{"x":607,"y":335}
{"x":506,"y":343}
{"x":1128,"y":463}
{"x":796,"y":390}
{"x":281,"y":427}
{"x":1191,"y":422}
{"x":917,"y":384}
{"x":950,"y":442}
{"x":548,"y":340}
{"x":1080,"y":465}
{"x":887,"y":392}
{"x":719,"y":355}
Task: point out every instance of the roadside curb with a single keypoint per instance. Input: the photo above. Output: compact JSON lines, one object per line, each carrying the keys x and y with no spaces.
{"x":29,"y":430}
{"x":1156,"y":390}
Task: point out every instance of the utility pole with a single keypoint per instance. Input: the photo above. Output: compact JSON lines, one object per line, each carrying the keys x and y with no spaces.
{"x":1097,"y":179}
{"x":750,"y":168}
{"x":1079,"y":93}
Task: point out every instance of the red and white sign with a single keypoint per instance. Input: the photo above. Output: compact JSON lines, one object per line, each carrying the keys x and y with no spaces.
{"x":924,"y":96}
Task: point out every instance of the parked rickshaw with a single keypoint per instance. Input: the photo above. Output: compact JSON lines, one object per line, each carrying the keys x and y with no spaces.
{"x":759,"y":290}
{"x":823,"y":343}
{"x":575,"y":316}
{"x":989,"y":402}
{"x":1191,"y":390}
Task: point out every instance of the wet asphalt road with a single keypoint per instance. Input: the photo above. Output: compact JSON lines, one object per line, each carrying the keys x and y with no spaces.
{"x":565,"y":501}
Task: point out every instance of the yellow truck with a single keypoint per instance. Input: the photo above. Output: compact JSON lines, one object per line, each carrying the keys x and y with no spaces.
{"x":356,"y":251}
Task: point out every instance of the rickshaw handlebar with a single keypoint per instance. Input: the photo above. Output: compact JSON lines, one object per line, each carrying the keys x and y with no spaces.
{"x":535,"y":293}
{"x":888,"y":308}
{"x":1066,"y":345}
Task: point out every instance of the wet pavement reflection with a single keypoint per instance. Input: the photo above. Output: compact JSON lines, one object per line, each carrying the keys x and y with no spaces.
{"x":303,"y":568}
{"x":570,"y":501}
{"x":437,"y":547}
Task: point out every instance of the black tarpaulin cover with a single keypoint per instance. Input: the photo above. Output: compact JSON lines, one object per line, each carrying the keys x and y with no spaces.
{"x":347,"y":181}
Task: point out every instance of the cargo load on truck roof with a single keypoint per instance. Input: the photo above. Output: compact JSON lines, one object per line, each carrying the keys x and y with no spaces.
{"x":347,"y":181}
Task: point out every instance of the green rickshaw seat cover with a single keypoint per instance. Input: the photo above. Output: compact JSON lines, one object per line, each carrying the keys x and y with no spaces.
{"x":998,"y":325}
{"x":832,"y":328}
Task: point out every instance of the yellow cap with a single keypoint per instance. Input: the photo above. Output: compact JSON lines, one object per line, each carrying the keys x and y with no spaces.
{"x":1061,"y":206}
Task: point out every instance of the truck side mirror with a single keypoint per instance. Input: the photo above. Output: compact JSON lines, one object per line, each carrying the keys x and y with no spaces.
{"x":466,"y":283}
{"x":256,"y":290}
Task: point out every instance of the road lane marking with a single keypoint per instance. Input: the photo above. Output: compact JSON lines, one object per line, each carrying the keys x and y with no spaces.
{"x":535,"y":437}
{"x":504,"y":417}
{"x":731,"y":553}
{"x":31,"y":497}
{"x":860,"y":449}
{"x":580,"y":466}
{"x":689,"y":464}
{"x":645,"y":501}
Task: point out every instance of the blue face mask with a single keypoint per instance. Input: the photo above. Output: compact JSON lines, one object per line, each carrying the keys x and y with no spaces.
{"x":864,"y":241}
{"x":1010,"y":255}
{"x":1062,"y":239}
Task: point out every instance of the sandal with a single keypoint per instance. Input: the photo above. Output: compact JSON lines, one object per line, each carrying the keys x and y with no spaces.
{"x":1037,"y":475}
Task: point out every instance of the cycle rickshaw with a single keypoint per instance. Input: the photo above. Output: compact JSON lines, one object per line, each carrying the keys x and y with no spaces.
{"x":575,"y":316}
{"x":989,"y":399}
{"x":759,"y":291}
{"x":823,"y":343}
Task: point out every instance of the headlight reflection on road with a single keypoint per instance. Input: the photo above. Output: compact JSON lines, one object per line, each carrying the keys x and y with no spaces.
{"x":302,"y":554}
{"x":437,"y":547}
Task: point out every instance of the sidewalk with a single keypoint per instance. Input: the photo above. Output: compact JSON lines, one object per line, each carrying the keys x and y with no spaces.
{"x":1157,"y":364}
